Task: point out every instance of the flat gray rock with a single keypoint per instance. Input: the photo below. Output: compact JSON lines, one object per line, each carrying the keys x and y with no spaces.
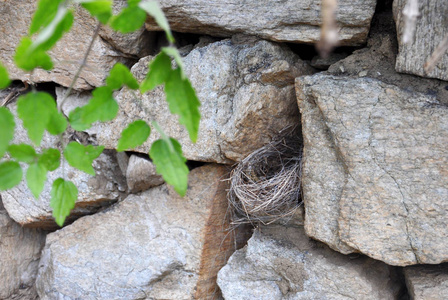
{"x":286,"y":21}
{"x":374,"y":177}
{"x":246,"y":90}
{"x":427,"y":282}
{"x":19,"y":257}
{"x":154,"y":245}
{"x":282,"y":263}
{"x":431,"y":28}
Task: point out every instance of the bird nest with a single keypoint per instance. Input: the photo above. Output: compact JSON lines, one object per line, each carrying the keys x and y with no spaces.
{"x":265,"y":186}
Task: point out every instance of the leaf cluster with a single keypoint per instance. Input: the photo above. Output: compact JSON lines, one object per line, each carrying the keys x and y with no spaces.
{"x":39,"y":112}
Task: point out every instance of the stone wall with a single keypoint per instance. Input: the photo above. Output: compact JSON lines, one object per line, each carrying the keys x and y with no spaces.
{"x":374,"y":219}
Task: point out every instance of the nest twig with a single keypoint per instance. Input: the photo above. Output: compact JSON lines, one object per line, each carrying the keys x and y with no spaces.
{"x":265,"y":186}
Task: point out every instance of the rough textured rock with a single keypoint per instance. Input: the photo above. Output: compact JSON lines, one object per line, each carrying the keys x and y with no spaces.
{"x":68,"y":52}
{"x":94,"y":192}
{"x":19,"y":257}
{"x":432,"y":26}
{"x":427,"y":282}
{"x":246,"y":90}
{"x":287,"y":21}
{"x":141,"y":174}
{"x":282,"y":263}
{"x":374,"y":177}
{"x":377,"y":60}
{"x":162,"y":247}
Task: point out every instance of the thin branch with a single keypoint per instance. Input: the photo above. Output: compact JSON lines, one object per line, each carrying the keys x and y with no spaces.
{"x":83,"y":64}
{"x":436,"y":55}
{"x":410,"y":13}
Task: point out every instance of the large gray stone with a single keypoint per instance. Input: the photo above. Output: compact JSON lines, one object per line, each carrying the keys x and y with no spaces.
{"x":94,"y":192}
{"x":69,"y":51}
{"x":286,"y":21}
{"x":427,"y":282}
{"x":431,"y":28}
{"x":19,"y":257}
{"x":154,"y":245}
{"x":282,"y":263}
{"x":246,"y":89}
{"x":374,"y":178}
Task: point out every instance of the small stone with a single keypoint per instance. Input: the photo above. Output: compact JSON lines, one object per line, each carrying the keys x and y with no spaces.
{"x":427,"y":282}
{"x":141,"y":174}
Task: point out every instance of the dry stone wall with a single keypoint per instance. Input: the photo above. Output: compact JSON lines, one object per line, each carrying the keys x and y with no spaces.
{"x":373,"y":224}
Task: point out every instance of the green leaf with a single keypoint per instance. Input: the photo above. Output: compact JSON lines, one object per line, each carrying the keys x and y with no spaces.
{"x":36,"y":175}
{"x":27,"y":59}
{"x":4,"y":78}
{"x":174,"y":53}
{"x":10,"y":174}
{"x":50,"y":159}
{"x":159,"y":71}
{"x":134,"y":135}
{"x":29,"y":54}
{"x":45,"y":13}
{"x":35,"y":109}
{"x":101,"y":9}
{"x":101,"y":107}
{"x":57,"y":123}
{"x":153,"y":9}
{"x":119,"y":76}
{"x":167,"y":156}
{"x":81,"y":157}
{"x":6,"y":129}
{"x":183,"y":101}
{"x":129,"y":19}
{"x":22,"y":152}
{"x":63,"y":198}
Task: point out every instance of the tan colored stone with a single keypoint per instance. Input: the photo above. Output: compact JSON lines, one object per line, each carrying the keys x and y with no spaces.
{"x":246,"y":90}
{"x":374,"y":175}
{"x":69,"y":51}
{"x":431,"y":28}
{"x":154,"y":245}
{"x":283,"y":263}
{"x":285,"y":21}
{"x":427,"y":282}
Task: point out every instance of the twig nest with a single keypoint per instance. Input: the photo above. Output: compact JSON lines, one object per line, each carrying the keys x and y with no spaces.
{"x":265,"y":186}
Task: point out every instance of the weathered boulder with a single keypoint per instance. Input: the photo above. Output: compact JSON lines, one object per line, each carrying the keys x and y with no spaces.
{"x":246,"y":89}
{"x":282,"y":263}
{"x":431,"y":28}
{"x":69,"y":51}
{"x":141,"y":174}
{"x":94,"y":192}
{"x":377,"y":60}
{"x":19,"y":257}
{"x":286,"y":21}
{"x":163,"y":246}
{"x":374,"y":177}
{"x":427,"y":282}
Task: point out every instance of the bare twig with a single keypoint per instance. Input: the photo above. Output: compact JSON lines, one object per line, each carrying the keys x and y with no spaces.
{"x":329,"y":34}
{"x":82,"y":65}
{"x":436,"y":55}
{"x":410,"y":13}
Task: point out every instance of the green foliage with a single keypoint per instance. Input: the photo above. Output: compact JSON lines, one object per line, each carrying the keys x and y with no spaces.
{"x":121,"y":76}
{"x":4,"y":78}
{"x":6,"y":129}
{"x":22,"y":152}
{"x":153,"y":9}
{"x":101,"y":107}
{"x":39,"y":112}
{"x":166,"y":154}
{"x":82,"y":157}
{"x":10,"y":175}
{"x":134,"y":135}
{"x":101,"y":9}
{"x":63,"y":198}
{"x":36,"y":175}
